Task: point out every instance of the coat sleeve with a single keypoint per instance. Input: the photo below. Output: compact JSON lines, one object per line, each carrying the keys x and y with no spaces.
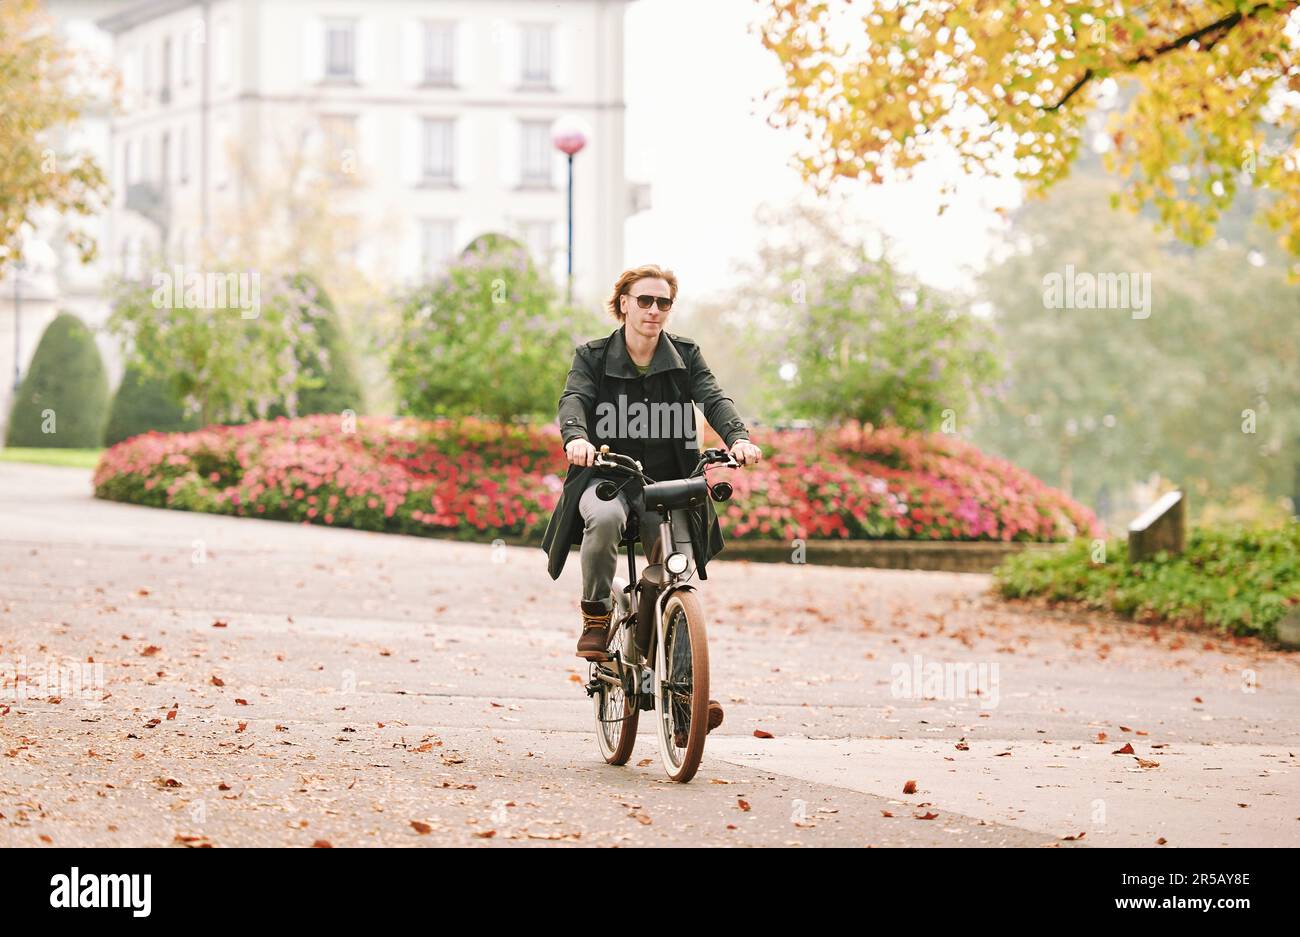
{"x":718,"y":408}
{"x":578,"y":397}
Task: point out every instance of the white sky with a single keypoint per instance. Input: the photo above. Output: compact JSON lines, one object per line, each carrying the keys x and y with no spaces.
{"x":696,"y":131}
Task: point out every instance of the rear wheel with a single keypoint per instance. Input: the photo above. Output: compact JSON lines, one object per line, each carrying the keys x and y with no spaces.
{"x":617,"y":713}
{"x":682,"y":687}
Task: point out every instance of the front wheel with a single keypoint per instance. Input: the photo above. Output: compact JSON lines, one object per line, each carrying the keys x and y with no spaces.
{"x":682,"y":686}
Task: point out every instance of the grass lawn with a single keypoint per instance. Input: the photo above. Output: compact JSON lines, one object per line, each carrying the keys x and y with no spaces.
{"x":77,"y":458}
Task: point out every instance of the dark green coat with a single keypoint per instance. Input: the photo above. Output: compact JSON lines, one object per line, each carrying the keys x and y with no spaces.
{"x":602,"y":369}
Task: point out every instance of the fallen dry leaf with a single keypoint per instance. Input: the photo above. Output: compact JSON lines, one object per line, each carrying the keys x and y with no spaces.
{"x":909,"y":787}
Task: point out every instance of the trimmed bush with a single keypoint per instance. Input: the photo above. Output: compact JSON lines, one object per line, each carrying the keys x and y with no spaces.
{"x":1234,"y":579}
{"x":143,"y":404}
{"x":67,"y":380}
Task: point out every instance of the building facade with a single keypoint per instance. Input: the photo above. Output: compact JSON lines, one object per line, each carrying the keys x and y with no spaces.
{"x":423,"y":122}
{"x":435,"y":119}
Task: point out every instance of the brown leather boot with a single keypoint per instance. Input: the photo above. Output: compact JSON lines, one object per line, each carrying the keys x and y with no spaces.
{"x":595,"y":630}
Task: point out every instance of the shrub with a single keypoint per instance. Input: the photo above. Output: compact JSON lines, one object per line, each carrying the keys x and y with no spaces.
{"x":1236,"y":579}
{"x":329,"y":368}
{"x":142,"y":404}
{"x":66,"y":380}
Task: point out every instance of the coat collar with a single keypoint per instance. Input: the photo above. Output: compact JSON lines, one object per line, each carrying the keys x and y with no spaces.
{"x":618,"y":363}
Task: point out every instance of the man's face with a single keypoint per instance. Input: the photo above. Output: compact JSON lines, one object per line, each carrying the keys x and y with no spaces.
{"x":647,"y":323}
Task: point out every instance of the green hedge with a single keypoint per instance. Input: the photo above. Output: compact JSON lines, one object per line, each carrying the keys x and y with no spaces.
{"x":1238,"y":580}
{"x":67,"y":380}
{"x":142,"y":404}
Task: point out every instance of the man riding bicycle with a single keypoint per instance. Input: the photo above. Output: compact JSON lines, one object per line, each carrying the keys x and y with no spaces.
{"x":635,"y":391}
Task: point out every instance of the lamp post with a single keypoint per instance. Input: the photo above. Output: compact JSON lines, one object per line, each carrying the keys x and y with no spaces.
{"x":569,"y":135}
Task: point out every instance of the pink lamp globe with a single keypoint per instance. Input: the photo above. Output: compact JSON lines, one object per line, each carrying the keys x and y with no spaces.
{"x":569,"y":135}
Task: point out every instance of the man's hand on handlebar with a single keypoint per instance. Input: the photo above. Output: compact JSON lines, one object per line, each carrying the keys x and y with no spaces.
{"x":745,"y":452}
{"x":580,"y":452}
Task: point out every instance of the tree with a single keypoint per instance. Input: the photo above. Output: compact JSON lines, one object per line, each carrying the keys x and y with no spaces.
{"x":37,"y":98}
{"x":331,"y":385}
{"x":221,"y":364}
{"x":847,"y":336}
{"x":63,"y":400}
{"x":1006,"y":85}
{"x":1200,"y":391}
{"x":489,"y":337}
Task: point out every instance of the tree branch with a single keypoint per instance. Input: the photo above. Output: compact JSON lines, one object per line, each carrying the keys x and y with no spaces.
{"x":1222,"y":27}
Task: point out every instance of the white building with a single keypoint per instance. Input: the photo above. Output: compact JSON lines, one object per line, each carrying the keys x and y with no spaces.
{"x":53,"y":277}
{"x":434,"y":117}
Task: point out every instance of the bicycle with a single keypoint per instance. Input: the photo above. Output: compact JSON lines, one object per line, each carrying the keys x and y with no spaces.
{"x":658,"y":653}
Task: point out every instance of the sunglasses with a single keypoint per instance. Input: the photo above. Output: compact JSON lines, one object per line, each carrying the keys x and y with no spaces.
{"x":644,"y":301}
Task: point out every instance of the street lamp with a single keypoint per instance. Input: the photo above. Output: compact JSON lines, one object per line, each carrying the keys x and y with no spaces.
{"x":569,"y":135}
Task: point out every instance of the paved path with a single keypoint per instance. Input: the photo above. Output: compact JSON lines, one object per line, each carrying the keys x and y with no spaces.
{"x":367,"y":688}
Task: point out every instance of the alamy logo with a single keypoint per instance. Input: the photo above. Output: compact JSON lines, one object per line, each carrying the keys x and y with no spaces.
{"x":102,"y":891}
{"x":643,"y":420}
{"x":946,"y":680}
{"x":1098,"y":291}
{"x":179,"y":288}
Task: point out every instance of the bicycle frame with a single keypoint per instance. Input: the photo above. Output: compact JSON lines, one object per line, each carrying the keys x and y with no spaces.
{"x":673,"y":582}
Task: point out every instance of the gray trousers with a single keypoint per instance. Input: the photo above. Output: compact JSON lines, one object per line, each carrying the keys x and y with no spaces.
{"x":604,"y":523}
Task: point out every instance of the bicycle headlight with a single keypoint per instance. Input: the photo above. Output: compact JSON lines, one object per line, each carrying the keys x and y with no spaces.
{"x":676,"y":563}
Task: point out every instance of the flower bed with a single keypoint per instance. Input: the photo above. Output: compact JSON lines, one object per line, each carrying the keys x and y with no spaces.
{"x":475,"y":480}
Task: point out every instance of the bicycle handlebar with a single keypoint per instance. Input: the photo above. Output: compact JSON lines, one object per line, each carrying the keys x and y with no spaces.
{"x":710,"y":457}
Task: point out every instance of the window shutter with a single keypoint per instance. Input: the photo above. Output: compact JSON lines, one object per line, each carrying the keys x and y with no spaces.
{"x":464,"y":149}
{"x":563,"y":38}
{"x":510,"y":151}
{"x":363,"y":51}
{"x":412,"y":51}
{"x":313,"y":51}
{"x":412,"y":149}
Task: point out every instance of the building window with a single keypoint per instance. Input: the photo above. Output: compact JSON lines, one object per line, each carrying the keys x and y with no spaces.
{"x":439,"y":53}
{"x":340,"y":50}
{"x":437,"y":241}
{"x":439,"y":146}
{"x":183,"y":172}
{"x":164,"y":160}
{"x":183,"y":48}
{"x":536,"y":46}
{"x":535,"y":157}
